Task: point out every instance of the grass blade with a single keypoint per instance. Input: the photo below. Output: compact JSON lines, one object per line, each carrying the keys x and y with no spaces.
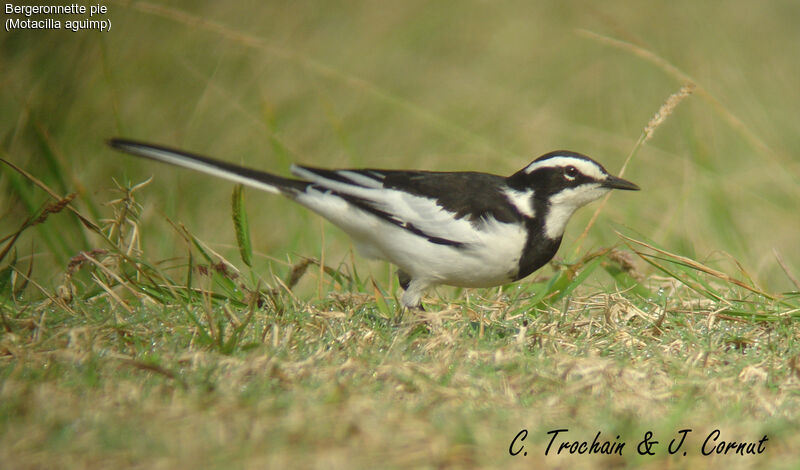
{"x":240,"y":224}
{"x":688,"y":262}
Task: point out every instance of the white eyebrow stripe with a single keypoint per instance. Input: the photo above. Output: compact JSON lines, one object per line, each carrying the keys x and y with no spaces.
{"x":584,"y":166}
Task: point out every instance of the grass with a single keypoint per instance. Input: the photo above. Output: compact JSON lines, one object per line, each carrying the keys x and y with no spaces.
{"x":150,"y":318}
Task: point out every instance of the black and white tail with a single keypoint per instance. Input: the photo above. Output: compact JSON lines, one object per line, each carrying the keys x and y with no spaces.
{"x":238,"y":174}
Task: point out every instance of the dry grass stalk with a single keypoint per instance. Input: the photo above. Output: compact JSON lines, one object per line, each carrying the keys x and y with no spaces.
{"x":54,"y":208}
{"x":658,"y":118}
{"x":682,"y":76}
{"x":84,"y":220}
{"x":666,"y":109}
{"x":785,"y":268}
{"x":696,"y":266}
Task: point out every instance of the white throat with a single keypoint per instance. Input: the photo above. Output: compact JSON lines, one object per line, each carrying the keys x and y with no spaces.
{"x":556,"y":221}
{"x":565,"y":203}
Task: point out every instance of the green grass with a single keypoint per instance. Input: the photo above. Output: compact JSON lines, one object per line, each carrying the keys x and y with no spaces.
{"x":165,"y":322}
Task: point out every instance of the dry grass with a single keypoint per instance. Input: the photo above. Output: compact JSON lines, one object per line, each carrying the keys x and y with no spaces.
{"x":131,"y":369}
{"x":340,"y":389}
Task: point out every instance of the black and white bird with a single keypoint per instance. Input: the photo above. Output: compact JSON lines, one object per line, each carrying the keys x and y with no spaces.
{"x":463,"y":229}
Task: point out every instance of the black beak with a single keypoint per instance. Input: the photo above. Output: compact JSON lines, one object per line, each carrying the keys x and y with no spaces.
{"x":614,"y":182}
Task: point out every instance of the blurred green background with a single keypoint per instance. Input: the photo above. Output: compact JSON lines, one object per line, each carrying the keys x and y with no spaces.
{"x":441,"y":85}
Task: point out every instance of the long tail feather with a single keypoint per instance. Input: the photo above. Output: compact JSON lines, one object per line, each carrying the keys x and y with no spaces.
{"x":254,"y":178}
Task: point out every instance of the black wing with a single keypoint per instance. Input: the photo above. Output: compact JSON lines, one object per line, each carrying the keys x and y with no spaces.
{"x":469,"y":195}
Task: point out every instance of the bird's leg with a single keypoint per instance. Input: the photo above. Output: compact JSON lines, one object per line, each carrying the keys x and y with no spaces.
{"x":403,"y":278}
{"x":414,"y":288}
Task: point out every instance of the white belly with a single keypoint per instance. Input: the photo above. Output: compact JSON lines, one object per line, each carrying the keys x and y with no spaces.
{"x":491,"y":258}
{"x":488,"y":254}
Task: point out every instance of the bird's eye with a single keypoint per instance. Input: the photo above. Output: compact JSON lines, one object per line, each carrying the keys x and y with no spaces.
{"x":570,"y":173}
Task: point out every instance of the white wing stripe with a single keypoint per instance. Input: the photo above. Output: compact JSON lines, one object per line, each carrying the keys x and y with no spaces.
{"x":522,"y":201}
{"x":358,"y":178}
{"x":423,"y":213}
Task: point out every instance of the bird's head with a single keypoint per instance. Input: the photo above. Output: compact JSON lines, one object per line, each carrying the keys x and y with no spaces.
{"x":564,"y":181}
